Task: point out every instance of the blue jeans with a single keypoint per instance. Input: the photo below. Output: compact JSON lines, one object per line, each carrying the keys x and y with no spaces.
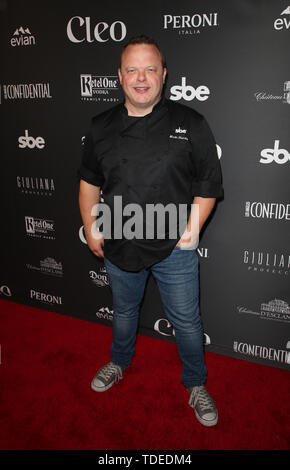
{"x":177,"y":280}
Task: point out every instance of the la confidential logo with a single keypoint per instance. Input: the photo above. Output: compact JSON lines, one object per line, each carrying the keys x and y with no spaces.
{"x":99,"y":87}
{"x":263,"y":352}
{"x":189,"y":25}
{"x":22,"y":37}
{"x":267,"y":210}
{"x":25,"y":91}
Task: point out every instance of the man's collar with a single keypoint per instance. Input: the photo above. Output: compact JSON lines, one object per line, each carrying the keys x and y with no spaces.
{"x":157,"y":106}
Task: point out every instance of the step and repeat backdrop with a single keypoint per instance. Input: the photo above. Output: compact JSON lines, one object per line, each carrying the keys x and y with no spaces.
{"x":227,"y":60}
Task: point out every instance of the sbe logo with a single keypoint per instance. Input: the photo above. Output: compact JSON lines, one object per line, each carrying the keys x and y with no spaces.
{"x":188,"y":93}
{"x":80,"y":29}
{"x":30,"y":142}
{"x":275,"y":154}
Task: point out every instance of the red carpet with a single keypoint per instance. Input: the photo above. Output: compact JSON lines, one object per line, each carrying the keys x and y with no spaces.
{"x":48,"y":361}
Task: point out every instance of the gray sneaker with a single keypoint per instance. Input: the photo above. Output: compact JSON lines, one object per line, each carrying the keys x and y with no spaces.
{"x":106,"y":377}
{"x":203,"y":405}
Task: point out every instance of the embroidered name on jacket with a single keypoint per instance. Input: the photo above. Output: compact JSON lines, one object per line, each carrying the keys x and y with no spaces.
{"x":179,"y":134}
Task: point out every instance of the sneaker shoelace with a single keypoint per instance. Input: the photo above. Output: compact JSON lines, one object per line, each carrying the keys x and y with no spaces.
{"x":110,"y":369}
{"x":199,"y":394}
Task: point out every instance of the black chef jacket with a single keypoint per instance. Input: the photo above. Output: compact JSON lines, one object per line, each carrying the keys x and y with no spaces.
{"x":167,"y":156}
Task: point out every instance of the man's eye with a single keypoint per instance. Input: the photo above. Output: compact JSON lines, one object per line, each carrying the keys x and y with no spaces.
{"x":131,"y":70}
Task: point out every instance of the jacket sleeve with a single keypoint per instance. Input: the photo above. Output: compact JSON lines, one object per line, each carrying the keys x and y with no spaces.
{"x":207,"y":180}
{"x":89,"y":169}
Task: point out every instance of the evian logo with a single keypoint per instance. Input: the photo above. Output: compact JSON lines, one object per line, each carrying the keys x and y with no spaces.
{"x":283,"y":23}
{"x":105,"y":313}
{"x":22,"y":37}
{"x":80,"y":29}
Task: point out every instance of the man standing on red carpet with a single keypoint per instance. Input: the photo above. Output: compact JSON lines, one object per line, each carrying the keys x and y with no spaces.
{"x":150,"y":152}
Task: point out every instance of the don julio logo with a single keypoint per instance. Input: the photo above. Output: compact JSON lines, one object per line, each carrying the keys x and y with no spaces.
{"x":99,"y":87}
{"x":99,"y":277}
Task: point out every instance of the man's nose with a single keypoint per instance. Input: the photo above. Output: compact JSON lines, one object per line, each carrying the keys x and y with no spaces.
{"x":141,"y":76}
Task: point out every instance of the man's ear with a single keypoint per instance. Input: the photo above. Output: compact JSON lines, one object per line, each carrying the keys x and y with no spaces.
{"x":164,"y":74}
{"x":120,"y":75}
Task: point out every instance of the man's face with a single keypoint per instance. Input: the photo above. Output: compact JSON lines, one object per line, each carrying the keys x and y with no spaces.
{"x":142,"y":77}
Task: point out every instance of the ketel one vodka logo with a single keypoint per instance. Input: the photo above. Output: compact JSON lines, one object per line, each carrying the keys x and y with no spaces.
{"x":22,"y":37}
{"x":39,"y":228}
{"x":99,"y":87}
